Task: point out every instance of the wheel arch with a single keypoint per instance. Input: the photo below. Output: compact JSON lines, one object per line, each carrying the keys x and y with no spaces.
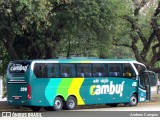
{"x":136,"y":93}
{"x":60,"y":96}
{"x":72,"y":95}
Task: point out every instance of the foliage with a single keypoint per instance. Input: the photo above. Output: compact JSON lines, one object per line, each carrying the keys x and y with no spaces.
{"x":81,"y":22}
{"x":38,"y":27}
{"x":21,"y":25}
{"x":44,"y":29}
{"x":143,"y":31}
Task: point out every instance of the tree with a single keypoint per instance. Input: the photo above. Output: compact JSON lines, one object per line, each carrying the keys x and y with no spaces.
{"x":84,"y":28}
{"x":3,"y":59}
{"x":21,"y":22}
{"x":144,"y":32}
{"x":47,"y":29}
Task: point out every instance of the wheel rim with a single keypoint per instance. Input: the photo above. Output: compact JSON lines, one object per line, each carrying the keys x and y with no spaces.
{"x":71,"y":103}
{"x":133,"y":100}
{"x":58,"y":104}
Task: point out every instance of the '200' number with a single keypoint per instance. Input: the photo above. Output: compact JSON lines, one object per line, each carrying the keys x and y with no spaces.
{"x":23,"y":89}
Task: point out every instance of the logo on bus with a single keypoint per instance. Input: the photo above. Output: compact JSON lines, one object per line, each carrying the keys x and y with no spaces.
{"x":107,"y":89}
{"x":18,"y":67}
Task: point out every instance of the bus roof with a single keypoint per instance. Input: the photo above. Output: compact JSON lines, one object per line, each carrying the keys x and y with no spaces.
{"x":87,"y":60}
{"x":80,"y":60}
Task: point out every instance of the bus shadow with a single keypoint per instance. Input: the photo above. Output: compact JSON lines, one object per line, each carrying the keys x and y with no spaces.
{"x":98,"y":106}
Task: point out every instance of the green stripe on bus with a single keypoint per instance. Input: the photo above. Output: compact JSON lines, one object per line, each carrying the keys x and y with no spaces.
{"x":64,"y":86}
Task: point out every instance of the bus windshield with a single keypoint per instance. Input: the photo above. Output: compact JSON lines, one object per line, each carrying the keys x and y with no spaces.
{"x":141,"y":69}
{"x":18,"y":67}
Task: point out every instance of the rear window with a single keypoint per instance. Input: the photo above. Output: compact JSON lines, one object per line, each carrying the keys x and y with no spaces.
{"x":19,"y":67}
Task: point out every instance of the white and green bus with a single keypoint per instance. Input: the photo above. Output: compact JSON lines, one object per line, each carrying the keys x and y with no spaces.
{"x":57,"y":84}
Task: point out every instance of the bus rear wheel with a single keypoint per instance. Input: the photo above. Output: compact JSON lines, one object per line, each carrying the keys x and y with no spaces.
{"x":35,"y":108}
{"x":58,"y":104}
{"x":71,"y":103}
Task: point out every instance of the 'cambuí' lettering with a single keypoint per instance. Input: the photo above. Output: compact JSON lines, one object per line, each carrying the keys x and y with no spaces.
{"x":107,"y":89}
{"x":18,"y":67}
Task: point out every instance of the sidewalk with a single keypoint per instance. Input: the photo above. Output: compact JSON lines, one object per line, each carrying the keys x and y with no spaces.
{"x":3,"y":99}
{"x":155,"y":97}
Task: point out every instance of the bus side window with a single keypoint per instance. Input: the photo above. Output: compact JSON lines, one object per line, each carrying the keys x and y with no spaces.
{"x":37,"y":70}
{"x":87,"y":70}
{"x":67,"y":70}
{"x":41,"y":70}
{"x":142,"y":82}
{"x":44,"y":70}
{"x":98,"y":70}
{"x":128,"y":71}
{"x":84,"y":70}
{"x":80,"y":70}
{"x":115,"y":70}
{"x":54,"y":71}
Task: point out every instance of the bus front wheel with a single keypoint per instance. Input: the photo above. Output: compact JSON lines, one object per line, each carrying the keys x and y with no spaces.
{"x":133,"y":100}
{"x":58,"y":104}
{"x":71,"y":103}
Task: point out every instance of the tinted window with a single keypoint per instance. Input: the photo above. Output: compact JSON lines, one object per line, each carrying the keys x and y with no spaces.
{"x":143,"y":80}
{"x":53,"y":70}
{"x":99,"y":70}
{"x":67,"y":70}
{"x":41,"y":70}
{"x":84,"y":70}
{"x":19,"y":67}
{"x":115,"y":70}
{"x":128,"y":70}
{"x":140,"y":68}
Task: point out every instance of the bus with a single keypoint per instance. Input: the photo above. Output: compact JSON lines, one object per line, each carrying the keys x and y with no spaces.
{"x":57,"y":84}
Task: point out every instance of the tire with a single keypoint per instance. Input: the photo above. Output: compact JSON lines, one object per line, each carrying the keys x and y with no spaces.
{"x":58,"y":104}
{"x":71,"y":103}
{"x":35,"y":108}
{"x":133,"y":100}
{"x":113,"y":105}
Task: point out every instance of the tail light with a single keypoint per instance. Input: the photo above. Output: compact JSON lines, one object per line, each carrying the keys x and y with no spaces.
{"x":29,"y":92}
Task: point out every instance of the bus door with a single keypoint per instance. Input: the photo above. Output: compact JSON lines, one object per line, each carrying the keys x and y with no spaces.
{"x":152,"y":76}
{"x":144,"y":87}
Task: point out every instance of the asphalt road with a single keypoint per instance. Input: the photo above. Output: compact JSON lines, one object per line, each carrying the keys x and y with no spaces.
{"x":152,"y":109}
{"x":139,"y":107}
{"x":141,"y":110}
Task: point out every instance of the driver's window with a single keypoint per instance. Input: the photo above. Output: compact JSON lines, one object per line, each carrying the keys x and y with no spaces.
{"x":143,"y":80}
{"x":152,"y":79}
{"x":146,"y":79}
